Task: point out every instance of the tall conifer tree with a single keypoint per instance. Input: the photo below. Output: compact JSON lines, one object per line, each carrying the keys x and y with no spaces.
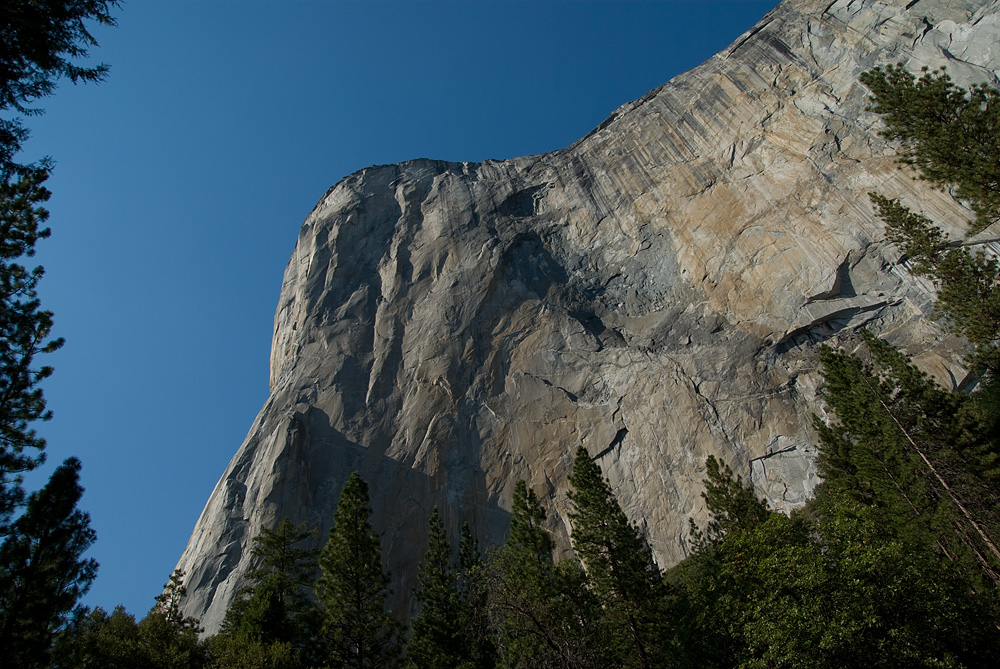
{"x":440,"y":638}
{"x":352,"y":590}
{"x":472,"y":580}
{"x":922,"y":455}
{"x":42,"y":569}
{"x":276,"y":608}
{"x":620,"y":569}
{"x":24,"y":333}
{"x":541,"y":612}
{"x":40,"y":42}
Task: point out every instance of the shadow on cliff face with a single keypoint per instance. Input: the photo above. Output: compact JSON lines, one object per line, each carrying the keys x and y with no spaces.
{"x":530,"y":273}
{"x":522,"y":203}
{"x":311,"y":460}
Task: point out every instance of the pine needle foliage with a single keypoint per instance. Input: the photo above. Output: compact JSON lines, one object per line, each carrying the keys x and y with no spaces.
{"x":99,"y":640}
{"x":440,"y":638}
{"x":42,"y":569}
{"x":949,"y":134}
{"x":968,"y":280}
{"x":472,"y":587}
{"x":168,"y":604}
{"x":24,"y":333}
{"x":620,"y":569}
{"x":227,"y":652}
{"x":353,"y":587}
{"x":41,"y":42}
{"x":284,"y":560}
{"x":276,"y":607}
{"x":732,"y":504}
{"x":924,"y":456}
{"x":542,"y":614}
{"x":831,"y":586}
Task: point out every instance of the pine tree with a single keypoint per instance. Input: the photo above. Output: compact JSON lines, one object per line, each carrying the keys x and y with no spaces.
{"x":166,"y":643}
{"x":238,"y":652}
{"x":469,"y":556}
{"x":276,"y":607}
{"x":949,"y":134}
{"x":42,"y":569}
{"x":24,"y":333}
{"x":830,"y":586}
{"x":440,"y":634}
{"x":41,"y":43}
{"x":168,"y":603}
{"x":732,"y":504}
{"x":620,"y":569}
{"x":472,"y":588}
{"x":922,"y":455}
{"x":97,"y":639}
{"x":353,"y":587}
{"x":284,"y":561}
{"x":927,"y":455}
{"x":541,"y":613}
{"x":968,"y":280}
{"x":709,"y":640}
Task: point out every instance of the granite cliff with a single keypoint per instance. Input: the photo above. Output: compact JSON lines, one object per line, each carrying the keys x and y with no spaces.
{"x":654,"y":292}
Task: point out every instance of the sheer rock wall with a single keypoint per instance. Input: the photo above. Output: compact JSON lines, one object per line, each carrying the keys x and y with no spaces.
{"x":654,"y":292}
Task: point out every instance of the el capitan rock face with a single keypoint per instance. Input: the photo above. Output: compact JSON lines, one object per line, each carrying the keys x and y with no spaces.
{"x":654,"y":292}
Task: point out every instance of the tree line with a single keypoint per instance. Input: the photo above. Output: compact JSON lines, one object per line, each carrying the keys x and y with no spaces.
{"x":895,"y":561}
{"x":855,"y":578}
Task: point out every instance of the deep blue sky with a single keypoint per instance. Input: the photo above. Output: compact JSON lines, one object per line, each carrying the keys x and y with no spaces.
{"x":181,"y":183}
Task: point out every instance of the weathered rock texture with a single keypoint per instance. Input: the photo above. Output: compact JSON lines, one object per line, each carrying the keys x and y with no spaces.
{"x":653,"y":292}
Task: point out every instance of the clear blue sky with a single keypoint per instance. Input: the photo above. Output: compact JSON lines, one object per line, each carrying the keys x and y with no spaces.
{"x":181,"y":183}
